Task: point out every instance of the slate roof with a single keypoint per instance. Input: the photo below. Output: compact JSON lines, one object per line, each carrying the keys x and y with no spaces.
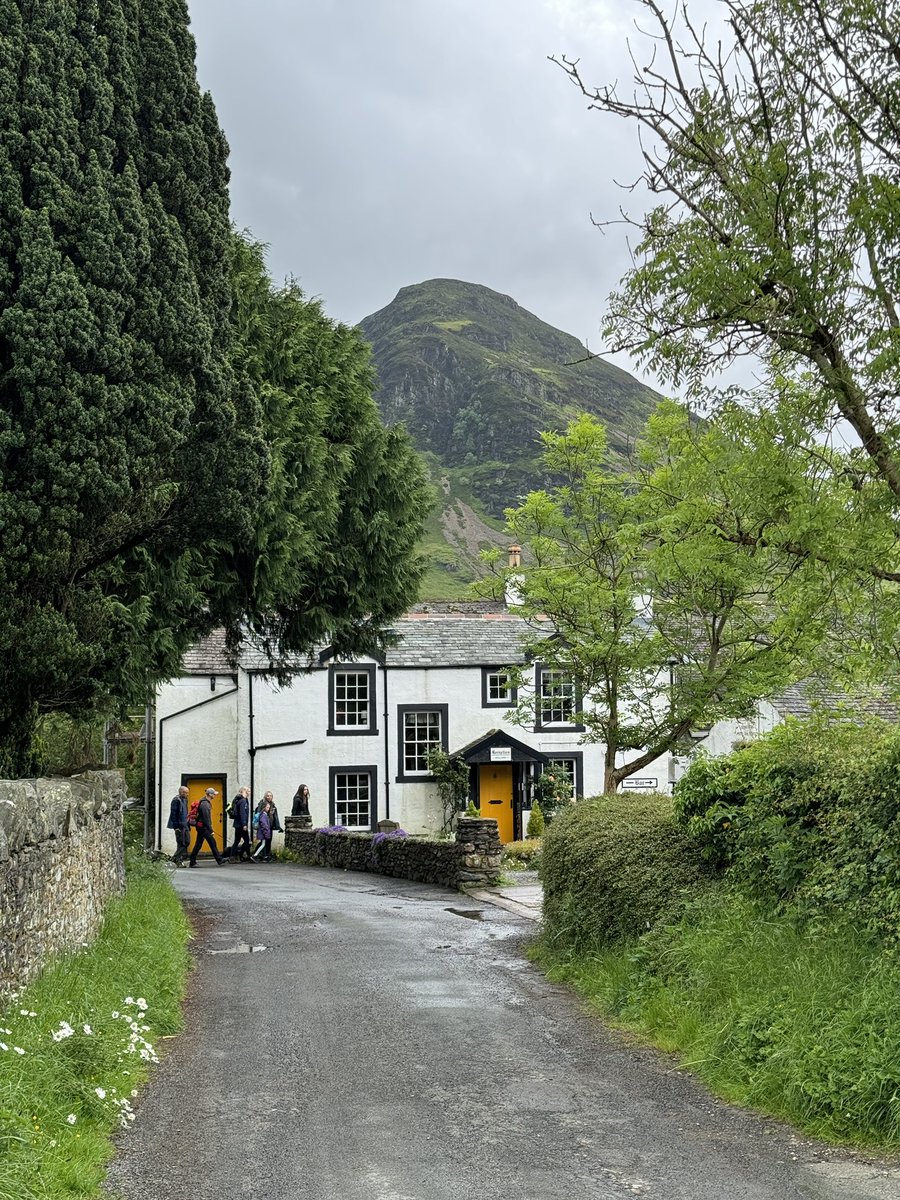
{"x":209,"y":656}
{"x":493,"y":639}
{"x":802,"y":699}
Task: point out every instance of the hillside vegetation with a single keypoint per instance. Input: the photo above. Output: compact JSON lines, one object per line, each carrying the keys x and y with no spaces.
{"x":475,"y":378}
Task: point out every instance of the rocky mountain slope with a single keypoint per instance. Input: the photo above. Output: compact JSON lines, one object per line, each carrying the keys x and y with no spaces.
{"x":476,"y":378}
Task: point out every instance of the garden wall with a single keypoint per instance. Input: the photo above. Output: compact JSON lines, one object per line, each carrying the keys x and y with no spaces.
{"x":61,"y":860}
{"x":472,"y":860}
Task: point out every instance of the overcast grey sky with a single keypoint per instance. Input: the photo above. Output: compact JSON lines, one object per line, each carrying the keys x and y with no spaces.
{"x":379,"y":143}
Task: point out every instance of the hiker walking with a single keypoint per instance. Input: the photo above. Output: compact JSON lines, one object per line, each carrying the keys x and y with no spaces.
{"x":240,"y":814}
{"x":263,"y":851}
{"x":274,"y":819}
{"x":178,"y":821}
{"x":204,"y":828}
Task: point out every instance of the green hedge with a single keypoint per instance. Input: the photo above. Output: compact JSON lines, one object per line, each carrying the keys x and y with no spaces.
{"x":614,"y":866}
{"x":807,"y":818}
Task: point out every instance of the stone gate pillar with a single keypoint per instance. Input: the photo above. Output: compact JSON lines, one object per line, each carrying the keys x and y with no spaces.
{"x":480,"y":850}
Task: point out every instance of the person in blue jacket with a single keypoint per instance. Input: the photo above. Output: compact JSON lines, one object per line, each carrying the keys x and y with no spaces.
{"x":241,"y":808}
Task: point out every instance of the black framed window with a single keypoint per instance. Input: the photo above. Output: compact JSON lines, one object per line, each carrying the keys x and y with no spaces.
{"x":352,"y":798}
{"x":573,"y":766}
{"x":497,"y":689}
{"x":351,"y":699}
{"x":557,"y":699}
{"x":421,"y":728}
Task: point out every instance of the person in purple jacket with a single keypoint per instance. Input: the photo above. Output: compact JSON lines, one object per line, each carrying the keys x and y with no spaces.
{"x":263,"y":852}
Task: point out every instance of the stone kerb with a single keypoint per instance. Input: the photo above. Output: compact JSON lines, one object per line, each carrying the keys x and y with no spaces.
{"x":61,"y":860}
{"x":473,"y":859}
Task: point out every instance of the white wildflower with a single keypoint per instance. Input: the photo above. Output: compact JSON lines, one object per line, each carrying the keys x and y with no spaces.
{"x":87,"y":1029}
{"x":18,"y":1050}
{"x":115,"y":1015}
{"x":129,"y":999}
{"x":3,"y":1046}
{"x":71,"y":1118}
{"x":65,"y":1031}
{"x":101,"y":1092}
{"x":141,"y":1003}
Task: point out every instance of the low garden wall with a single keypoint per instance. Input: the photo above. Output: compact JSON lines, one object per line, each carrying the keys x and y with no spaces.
{"x":61,"y":860}
{"x":471,"y":860}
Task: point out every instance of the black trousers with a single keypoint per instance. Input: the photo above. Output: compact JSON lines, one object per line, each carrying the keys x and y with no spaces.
{"x":205,"y":835}
{"x":182,"y":841}
{"x":241,"y":839}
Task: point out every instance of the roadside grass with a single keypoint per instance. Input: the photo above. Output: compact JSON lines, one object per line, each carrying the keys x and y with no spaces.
{"x":801,"y":1024}
{"x":76,"y":1044}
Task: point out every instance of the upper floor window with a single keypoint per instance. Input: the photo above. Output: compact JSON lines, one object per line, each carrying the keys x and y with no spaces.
{"x":351,"y":692}
{"x":422,"y":728}
{"x":557,"y":698}
{"x":497,"y":688}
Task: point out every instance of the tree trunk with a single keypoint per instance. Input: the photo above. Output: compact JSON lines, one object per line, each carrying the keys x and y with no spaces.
{"x":17,"y":743}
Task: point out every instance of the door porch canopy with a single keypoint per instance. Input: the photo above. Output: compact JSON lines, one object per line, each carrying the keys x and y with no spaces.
{"x":479,"y":751}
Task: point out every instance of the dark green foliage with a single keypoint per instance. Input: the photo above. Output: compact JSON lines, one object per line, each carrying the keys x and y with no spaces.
{"x":613,"y":867}
{"x":332,"y":553}
{"x":156,"y":481}
{"x":119,"y":421}
{"x":808,"y":818}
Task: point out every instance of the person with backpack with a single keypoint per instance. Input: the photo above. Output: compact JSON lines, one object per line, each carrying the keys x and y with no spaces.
{"x":263,"y":851}
{"x":178,"y":821}
{"x":274,"y":820}
{"x":203,"y":825}
{"x":239,"y":812}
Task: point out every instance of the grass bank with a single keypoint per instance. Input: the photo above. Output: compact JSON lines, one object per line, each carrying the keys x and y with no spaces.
{"x":76,"y":1045}
{"x":802,"y":1025}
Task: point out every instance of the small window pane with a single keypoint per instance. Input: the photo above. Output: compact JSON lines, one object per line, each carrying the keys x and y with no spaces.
{"x":557,"y":698}
{"x":564,"y":770}
{"x":421,"y":733}
{"x":499,"y":690}
{"x":352,"y":799}
{"x":351,"y":699}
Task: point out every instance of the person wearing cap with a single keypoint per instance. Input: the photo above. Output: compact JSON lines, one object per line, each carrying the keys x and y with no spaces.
{"x":204,"y":829}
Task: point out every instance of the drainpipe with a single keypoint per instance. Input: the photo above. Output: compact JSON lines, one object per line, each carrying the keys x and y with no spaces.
{"x":387,"y":746}
{"x":149,"y":721}
{"x":159,"y":747}
{"x":252,"y":750}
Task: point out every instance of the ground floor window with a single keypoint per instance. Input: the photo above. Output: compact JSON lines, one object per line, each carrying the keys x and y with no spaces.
{"x":352,"y":796}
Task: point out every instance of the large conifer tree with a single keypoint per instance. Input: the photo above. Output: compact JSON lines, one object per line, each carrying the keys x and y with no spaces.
{"x":120,"y":425}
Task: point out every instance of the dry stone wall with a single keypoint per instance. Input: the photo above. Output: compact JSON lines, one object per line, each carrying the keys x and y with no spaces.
{"x":473,"y":859}
{"x":61,"y":860}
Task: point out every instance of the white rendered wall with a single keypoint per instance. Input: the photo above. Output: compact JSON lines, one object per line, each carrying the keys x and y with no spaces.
{"x":200,"y":742}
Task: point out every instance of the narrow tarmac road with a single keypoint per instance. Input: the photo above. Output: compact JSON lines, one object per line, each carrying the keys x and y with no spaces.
{"x":388,"y":1041}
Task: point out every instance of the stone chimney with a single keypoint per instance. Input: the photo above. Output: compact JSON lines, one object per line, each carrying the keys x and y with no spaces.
{"x":513,"y":589}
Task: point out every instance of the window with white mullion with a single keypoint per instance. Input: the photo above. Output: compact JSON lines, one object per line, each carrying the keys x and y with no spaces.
{"x":499,"y":690}
{"x":557,"y":697}
{"x":353,"y":799}
{"x":351,"y":699}
{"x":421,"y":734}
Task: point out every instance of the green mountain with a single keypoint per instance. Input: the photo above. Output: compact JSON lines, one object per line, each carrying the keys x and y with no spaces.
{"x":475,"y":378}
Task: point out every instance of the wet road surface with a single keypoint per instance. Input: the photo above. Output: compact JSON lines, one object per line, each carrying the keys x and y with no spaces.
{"x":351,"y":1037}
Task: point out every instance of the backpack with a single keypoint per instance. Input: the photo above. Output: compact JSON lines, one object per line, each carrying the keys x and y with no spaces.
{"x":232,"y":810}
{"x":192,"y":814}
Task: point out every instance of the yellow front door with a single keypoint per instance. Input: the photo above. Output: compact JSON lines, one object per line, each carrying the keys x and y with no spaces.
{"x":196,"y":786}
{"x":495,"y":792}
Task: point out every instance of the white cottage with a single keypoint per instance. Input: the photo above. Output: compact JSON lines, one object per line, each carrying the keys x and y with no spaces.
{"x":359,"y":733}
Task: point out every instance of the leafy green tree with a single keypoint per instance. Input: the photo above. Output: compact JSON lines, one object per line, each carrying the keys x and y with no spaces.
{"x":662,"y":624}
{"x":332,"y":552}
{"x":776,"y":154}
{"x":177,"y":450}
{"x":119,"y":421}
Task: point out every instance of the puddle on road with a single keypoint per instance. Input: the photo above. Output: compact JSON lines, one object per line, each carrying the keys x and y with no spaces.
{"x":240,"y":948}
{"x":473,"y":914}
